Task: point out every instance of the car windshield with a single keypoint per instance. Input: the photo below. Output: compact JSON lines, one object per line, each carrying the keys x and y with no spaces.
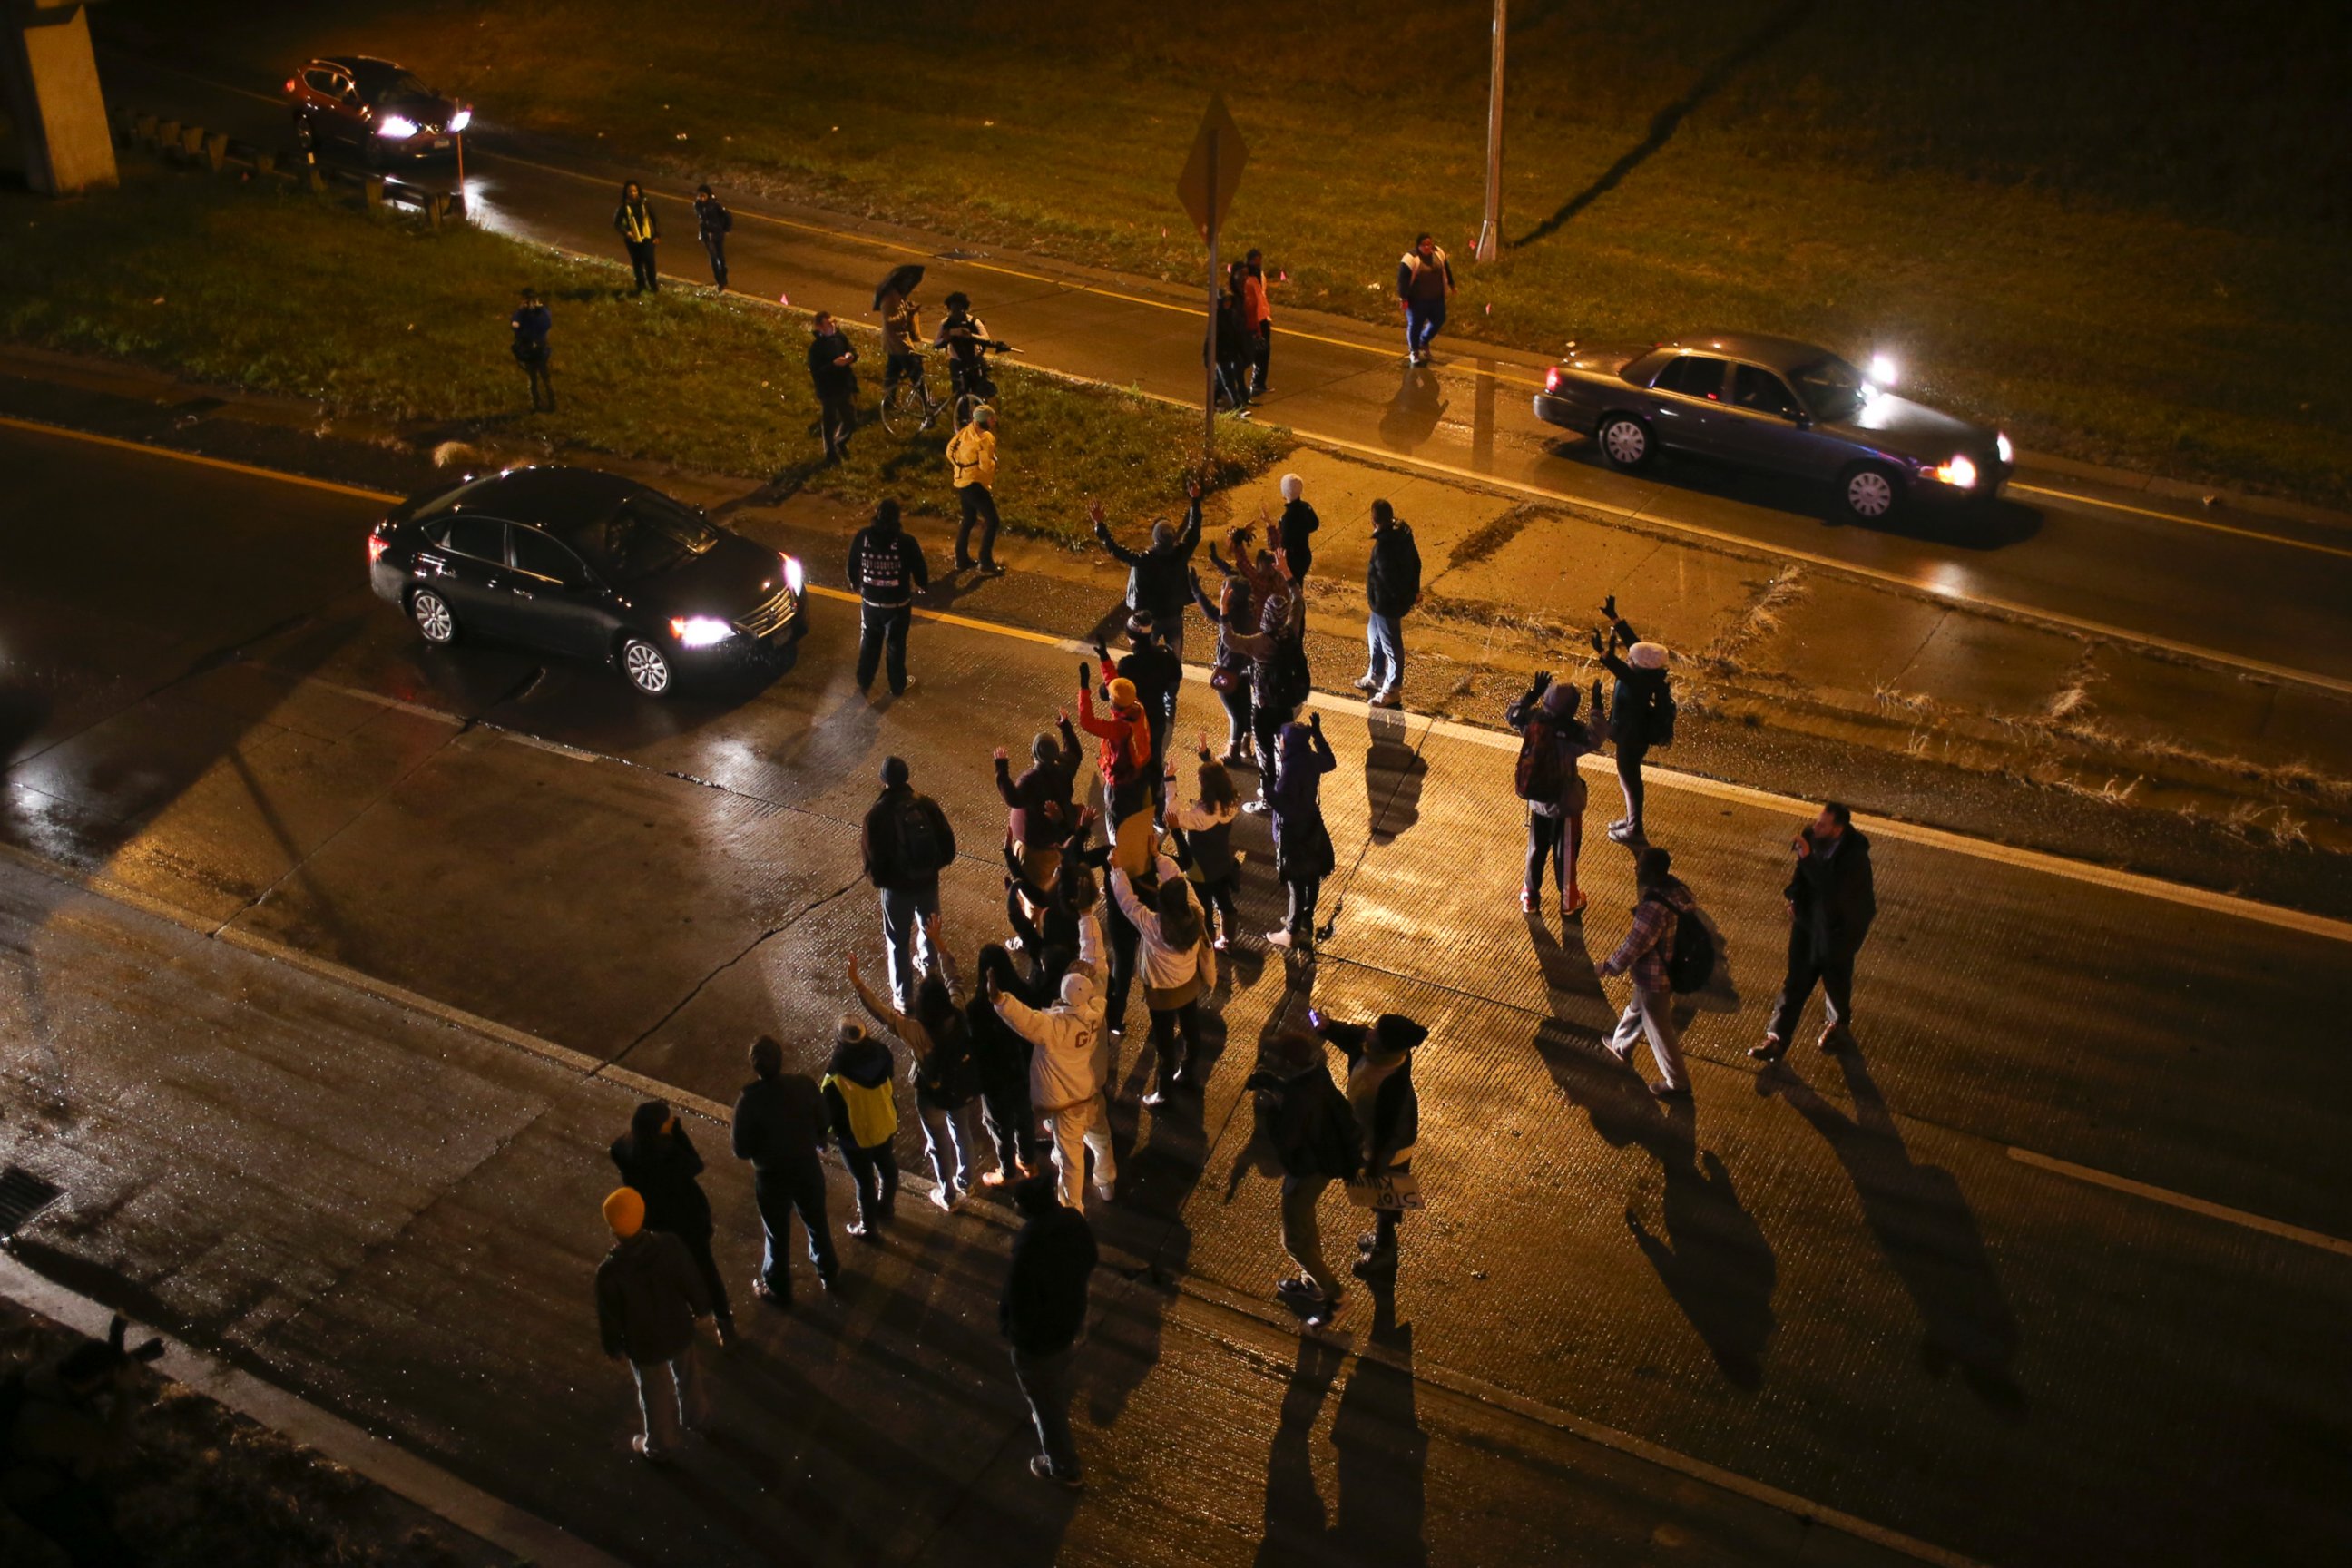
{"x":1832,"y":389}
{"x":643,"y":537}
{"x":392,"y":81}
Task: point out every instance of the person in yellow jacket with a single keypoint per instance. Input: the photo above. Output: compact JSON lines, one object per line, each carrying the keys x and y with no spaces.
{"x":864,"y":1114}
{"x":972,"y":458}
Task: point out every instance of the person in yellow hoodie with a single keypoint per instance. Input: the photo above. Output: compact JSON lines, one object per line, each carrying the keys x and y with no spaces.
{"x":865,"y":1112}
{"x":972,"y":458}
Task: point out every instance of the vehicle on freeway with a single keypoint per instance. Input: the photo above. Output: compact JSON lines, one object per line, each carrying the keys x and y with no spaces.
{"x":588,"y":565}
{"x":1778,"y":405}
{"x":375,"y":107}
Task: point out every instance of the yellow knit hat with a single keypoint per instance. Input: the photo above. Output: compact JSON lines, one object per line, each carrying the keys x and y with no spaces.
{"x":1122,"y":692}
{"x":625,"y":1211}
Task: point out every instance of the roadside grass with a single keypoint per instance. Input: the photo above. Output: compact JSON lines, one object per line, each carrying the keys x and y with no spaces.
{"x":2120,"y":235}
{"x":285,"y":293}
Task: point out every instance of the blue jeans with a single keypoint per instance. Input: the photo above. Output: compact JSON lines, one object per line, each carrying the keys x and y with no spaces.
{"x":951,"y":1138}
{"x":900,"y":908}
{"x":1421,"y":324}
{"x":1384,"y":635}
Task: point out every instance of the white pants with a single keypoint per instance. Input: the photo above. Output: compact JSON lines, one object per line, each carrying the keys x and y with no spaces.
{"x":1081,"y":1127}
{"x":1651,"y":1012}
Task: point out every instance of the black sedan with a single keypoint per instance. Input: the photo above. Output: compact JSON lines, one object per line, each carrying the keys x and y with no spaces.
{"x":1775,"y":404}
{"x":588,"y":565}
{"x":378,"y":110}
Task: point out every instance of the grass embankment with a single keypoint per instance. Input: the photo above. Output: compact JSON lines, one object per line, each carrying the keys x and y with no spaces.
{"x":2120,"y":232}
{"x":281,"y":292}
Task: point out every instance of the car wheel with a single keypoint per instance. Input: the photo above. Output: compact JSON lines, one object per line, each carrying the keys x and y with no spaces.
{"x":645,"y":666}
{"x":435,"y":620}
{"x":1625,"y":441}
{"x":1869,"y":492}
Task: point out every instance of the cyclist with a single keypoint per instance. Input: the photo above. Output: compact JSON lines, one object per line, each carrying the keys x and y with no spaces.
{"x":965,"y":337}
{"x":902,"y":337}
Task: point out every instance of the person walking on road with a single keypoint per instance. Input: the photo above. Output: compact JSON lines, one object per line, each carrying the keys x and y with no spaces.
{"x":781,"y":1126}
{"x":972,"y":458}
{"x":1391,"y":588}
{"x":1388,"y":1116}
{"x":1204,"y":832}
{"x":1308,"y":1124}
{"x":657,"y":1158}
{"x":1041,"y":1315}
{"x":1424,"y":283}
{"x":864,"y":1111}
{"x":639,"y":227}
{"x":831,"y":362}
{"x":1295,"y":530}
{"x":1302,"y":844}
{"x":1551,"y":739}
{"x":946,"y":1080}
{"x":906,"y":841}
{"x":712,"y":223}
{"x":1645,"y":957}
{"x":1279,"y":679}
{"x":1258,"y":315}
{"x":531,"y":323}
{"x":1159,"y":575}
{"x":648,"y":1295}
{"x":1641,"y":711}
{"x":1831,"y":902}
{"x":1179,"y":969}
{"x":886,"y":567}
{"x":1066,"y":1074}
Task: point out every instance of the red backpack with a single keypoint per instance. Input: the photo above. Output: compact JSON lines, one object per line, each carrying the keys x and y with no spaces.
{"x":1538,"y":776}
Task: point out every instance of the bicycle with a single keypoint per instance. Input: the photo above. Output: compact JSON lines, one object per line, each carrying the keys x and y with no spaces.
{"x":907,"y":405}
{"x":972,"y":384}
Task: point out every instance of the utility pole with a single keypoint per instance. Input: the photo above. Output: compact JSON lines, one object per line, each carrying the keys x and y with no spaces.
{"x":1490,"y":230}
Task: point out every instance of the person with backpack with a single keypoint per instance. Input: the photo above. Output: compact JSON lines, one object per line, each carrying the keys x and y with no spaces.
{"x":971,"y":463}
{"x":1302,"y":844}
{"x":1647,"y":957}
{"x":906,"y":841}
{"x":864,"y":1111}
{"x":1308,"y":1124}
{"x":886,"y":567}
{"x":1229,"y":676}
{"x":1388,"y":1116}
{"x":1551,"y":741}
{"x":1157,"y":575}
{"x":657,"y":1158}
{"x":1204,"y":834}
{"x":712,"y":223}
{"x":780,"y":1124}
{"x":1831,"y":900}
{"x":1391,"y":588}
{"x":1641,"y":711}
{"x":1126,"y":761}
{"x":649,"y":1296}
{"x":946,"y":1078}
{"x":1179,"y":969}
{"x":1066,"y":1074}
{"x":1001,"y":1056}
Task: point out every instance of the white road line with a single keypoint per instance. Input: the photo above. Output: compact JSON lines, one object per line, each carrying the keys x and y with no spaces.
{"x":2098,"y":1178}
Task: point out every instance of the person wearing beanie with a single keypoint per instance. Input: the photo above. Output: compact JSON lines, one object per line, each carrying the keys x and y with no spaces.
{"x":1126,"y":761}
{"x":648,"y":1295}
{"x":1388,"y":1116}
{"x":1302,"y":844}
{"x":972,"y":461}
{"x":1204,"y":832}
{"x":886,"y":567}
{"x":1066,"y":1073}
{"x":1294,"y":532}
{"x":1157,"y":676}
{"x":906,"y":841}
{"x":1546,"y":777}
{"x":781,"y":1125}
{"x":1039,"y":810}
{"x":1041,"y":1315}
{"x":1391,"y":588}
{"x":1158,"y":577}
{"x":1301,"y":1116}
{"x":1641,"y":711}
{"x":945,"y":1076}
{"x":864,"y":1111}
{"x":1644,"y":956}
{"x":658,"y":1159}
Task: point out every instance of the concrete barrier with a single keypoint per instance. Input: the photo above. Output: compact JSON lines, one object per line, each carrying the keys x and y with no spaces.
{"x":216,"y":150}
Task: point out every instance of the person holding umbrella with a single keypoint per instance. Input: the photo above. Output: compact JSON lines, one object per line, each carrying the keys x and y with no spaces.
{"x":902,"y":333}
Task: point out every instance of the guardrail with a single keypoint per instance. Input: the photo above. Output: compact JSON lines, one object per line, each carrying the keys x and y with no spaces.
{"x":193,"y":145}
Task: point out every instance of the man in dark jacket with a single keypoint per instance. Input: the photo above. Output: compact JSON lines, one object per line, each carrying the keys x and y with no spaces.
{"x":780,"y":1127}
{"x":1038,"y":806}
{"x":648,"y":1294}
{"x":1043,"y":1310}
{"x":1311,"y":1129}
{"x":712,"y":223}
{"x":907,"y":842}
{"x":1294,"y":530}
{"x":531,"y":325}
{"x":1391,"y":588}
{"x":887,"y":568}
{"x":1636,"y":706}
{"x":829,"y":359}
{"x":1159,"y":577}
{"x":655,"y":1157}
{"x":1831,"y":901}
{"x":1387,"y":1115}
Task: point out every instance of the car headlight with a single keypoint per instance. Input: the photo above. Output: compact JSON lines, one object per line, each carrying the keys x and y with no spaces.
{"x":2000,"y":445}
{"x":1960,"y":473}
{"x":396,"y":126}
{"x":700,"y":631}
{"x":459,"y":121}
{"x":794,"y":576}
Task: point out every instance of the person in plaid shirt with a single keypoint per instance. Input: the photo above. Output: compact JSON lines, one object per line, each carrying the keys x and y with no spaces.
{"x":1648,"y":946}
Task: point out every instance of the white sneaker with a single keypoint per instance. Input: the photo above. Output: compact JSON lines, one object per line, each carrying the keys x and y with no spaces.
{"x":1277,"y":939}
{"x":1365,"y":683}
{"x":1106,"y":1192}
{"x":1255,"y":808}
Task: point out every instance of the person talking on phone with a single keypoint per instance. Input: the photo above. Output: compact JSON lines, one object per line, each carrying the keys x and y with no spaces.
{"x":1831,"y":901}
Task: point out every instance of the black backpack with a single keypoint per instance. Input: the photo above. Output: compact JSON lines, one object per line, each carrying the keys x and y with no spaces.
{"x":1293,"y":681}
{"x":1692,"y":963}
{"x":922,"y":851}
{"x":1660,"y":724}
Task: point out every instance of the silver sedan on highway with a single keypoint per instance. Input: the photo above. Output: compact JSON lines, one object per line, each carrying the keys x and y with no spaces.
{"x":1775,"y":404}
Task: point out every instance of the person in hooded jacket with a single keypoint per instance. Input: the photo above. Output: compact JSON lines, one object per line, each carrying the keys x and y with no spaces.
{"x":1157,"y":676}
{"x":1308,"y":1124}
{"x":639,"y":227}
{"x":1644,"y":957}
{"x":1063,"y":909}
{"x":1204,"y":832}
{"x":1066,"y":1074}
{"x":1039,"y":809}
{"x":1388,"y":1116}
{"x":1001,"y":1057}
{"x":648,"y":1295}
{"x":657,"y":1158}
{"x":1042,"y":1313}
{"x":781,"y":1126}
{"x":1549,"y":780}
{"x":1295,"y":530}
{"x":1128,"y":765}
{"x":1302,"y":844}
{"x":865,"y":1115}
{"x":971,"y":465}
{"x":1279,"y":679}
{"x":712,"y":223}
{"x":1635,"y":705}
{"x":1391,"y":588}
{"x":906,"y":841}
{"x":946,"y":1078}
{"x":1157,"y":575}
{"x":886,"y":567}
{"x":1229,"y":677}
{"x":1179,"y":969}
{"x":1831,"y":898}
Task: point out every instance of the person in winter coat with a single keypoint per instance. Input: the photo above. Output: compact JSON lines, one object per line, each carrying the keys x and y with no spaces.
{"x":1388,"y":1116}
{"x":1831,"y":901}
{"x":831,"y":362}
{"x":712,"y":223}
{"x":1306,"y":1121}
{"x":1232,"y":342}
{"x":1549,"y":780}
{"x":1636,"y":710}
{"x":1391,"y":588}
{"x":1179,"y":969}
{"x":1295,"y":530}
{"x":971,"y":460}
{"x":906,"y":841}
{"x":1156,"y":575}
{"x":1302,"y":844}
{"x":902,"y":359}
{"x":1204,"y":832}
{"x":639,"y":227}
{"x":530,"y":323}
{"x":1229,"y":677}
{"x":648,"y":1295}
{"x":656,"y":1158}
{"x":1001,"y":1057}
{"x":1127,"y":762}
{"x":1279,"y":679}
{"x":781,"y":1126}
{"x":864,"y":1111}
{"x":946,"y":1080}
{"x":1258,"y":315}
{"x":1424,"y":283}
{"x":1039,"y":810}
{"x":1066,"y":1073}
{"x":1042,"y":1313}
{"x":886,"y":567}
{"x":1643,"y":956}
{"x":1157,"y":676}
{"x":1065,"y":917}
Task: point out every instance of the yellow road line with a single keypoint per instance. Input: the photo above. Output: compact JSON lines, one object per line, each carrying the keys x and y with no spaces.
{"x":2185,"y":520}
{"x":2098,"y":1178}
{"x":38,"y":428}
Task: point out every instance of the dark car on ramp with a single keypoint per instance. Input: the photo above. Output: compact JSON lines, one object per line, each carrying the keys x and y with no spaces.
{"x":1778,"y":405}
{"x":588,"y":565}
{"x":378,"y":110}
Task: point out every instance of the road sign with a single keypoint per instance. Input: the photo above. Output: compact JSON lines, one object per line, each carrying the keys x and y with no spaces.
{"x":1213,"y":172}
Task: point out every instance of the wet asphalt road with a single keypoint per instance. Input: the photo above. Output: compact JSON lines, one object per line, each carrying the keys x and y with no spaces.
{"x":1845,"y":1280}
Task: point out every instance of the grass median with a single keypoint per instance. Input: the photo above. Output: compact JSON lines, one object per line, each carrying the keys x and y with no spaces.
{"x":281,"y":292}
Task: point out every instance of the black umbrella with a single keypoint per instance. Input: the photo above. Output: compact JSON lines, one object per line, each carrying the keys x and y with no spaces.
{"x":901,"y":282}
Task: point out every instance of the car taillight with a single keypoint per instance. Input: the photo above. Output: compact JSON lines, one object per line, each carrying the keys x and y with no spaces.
{"x":1552,"y":379}
{"x":290,"y":84}
{"x":376,"y":542}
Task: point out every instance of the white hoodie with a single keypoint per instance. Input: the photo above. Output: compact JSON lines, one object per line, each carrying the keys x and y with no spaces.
{"x":1164,"y":967}
{"x":1062,"y":1070}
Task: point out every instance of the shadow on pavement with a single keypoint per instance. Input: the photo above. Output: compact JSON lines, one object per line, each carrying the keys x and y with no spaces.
{"x":1379,"y":1504}
{"x":1412,"y":416}
{"x":1394,"y":771}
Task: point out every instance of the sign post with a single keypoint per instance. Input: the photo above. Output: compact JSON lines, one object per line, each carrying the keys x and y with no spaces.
{"x":1490,"y":231}
{"x":1206,"y":187}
